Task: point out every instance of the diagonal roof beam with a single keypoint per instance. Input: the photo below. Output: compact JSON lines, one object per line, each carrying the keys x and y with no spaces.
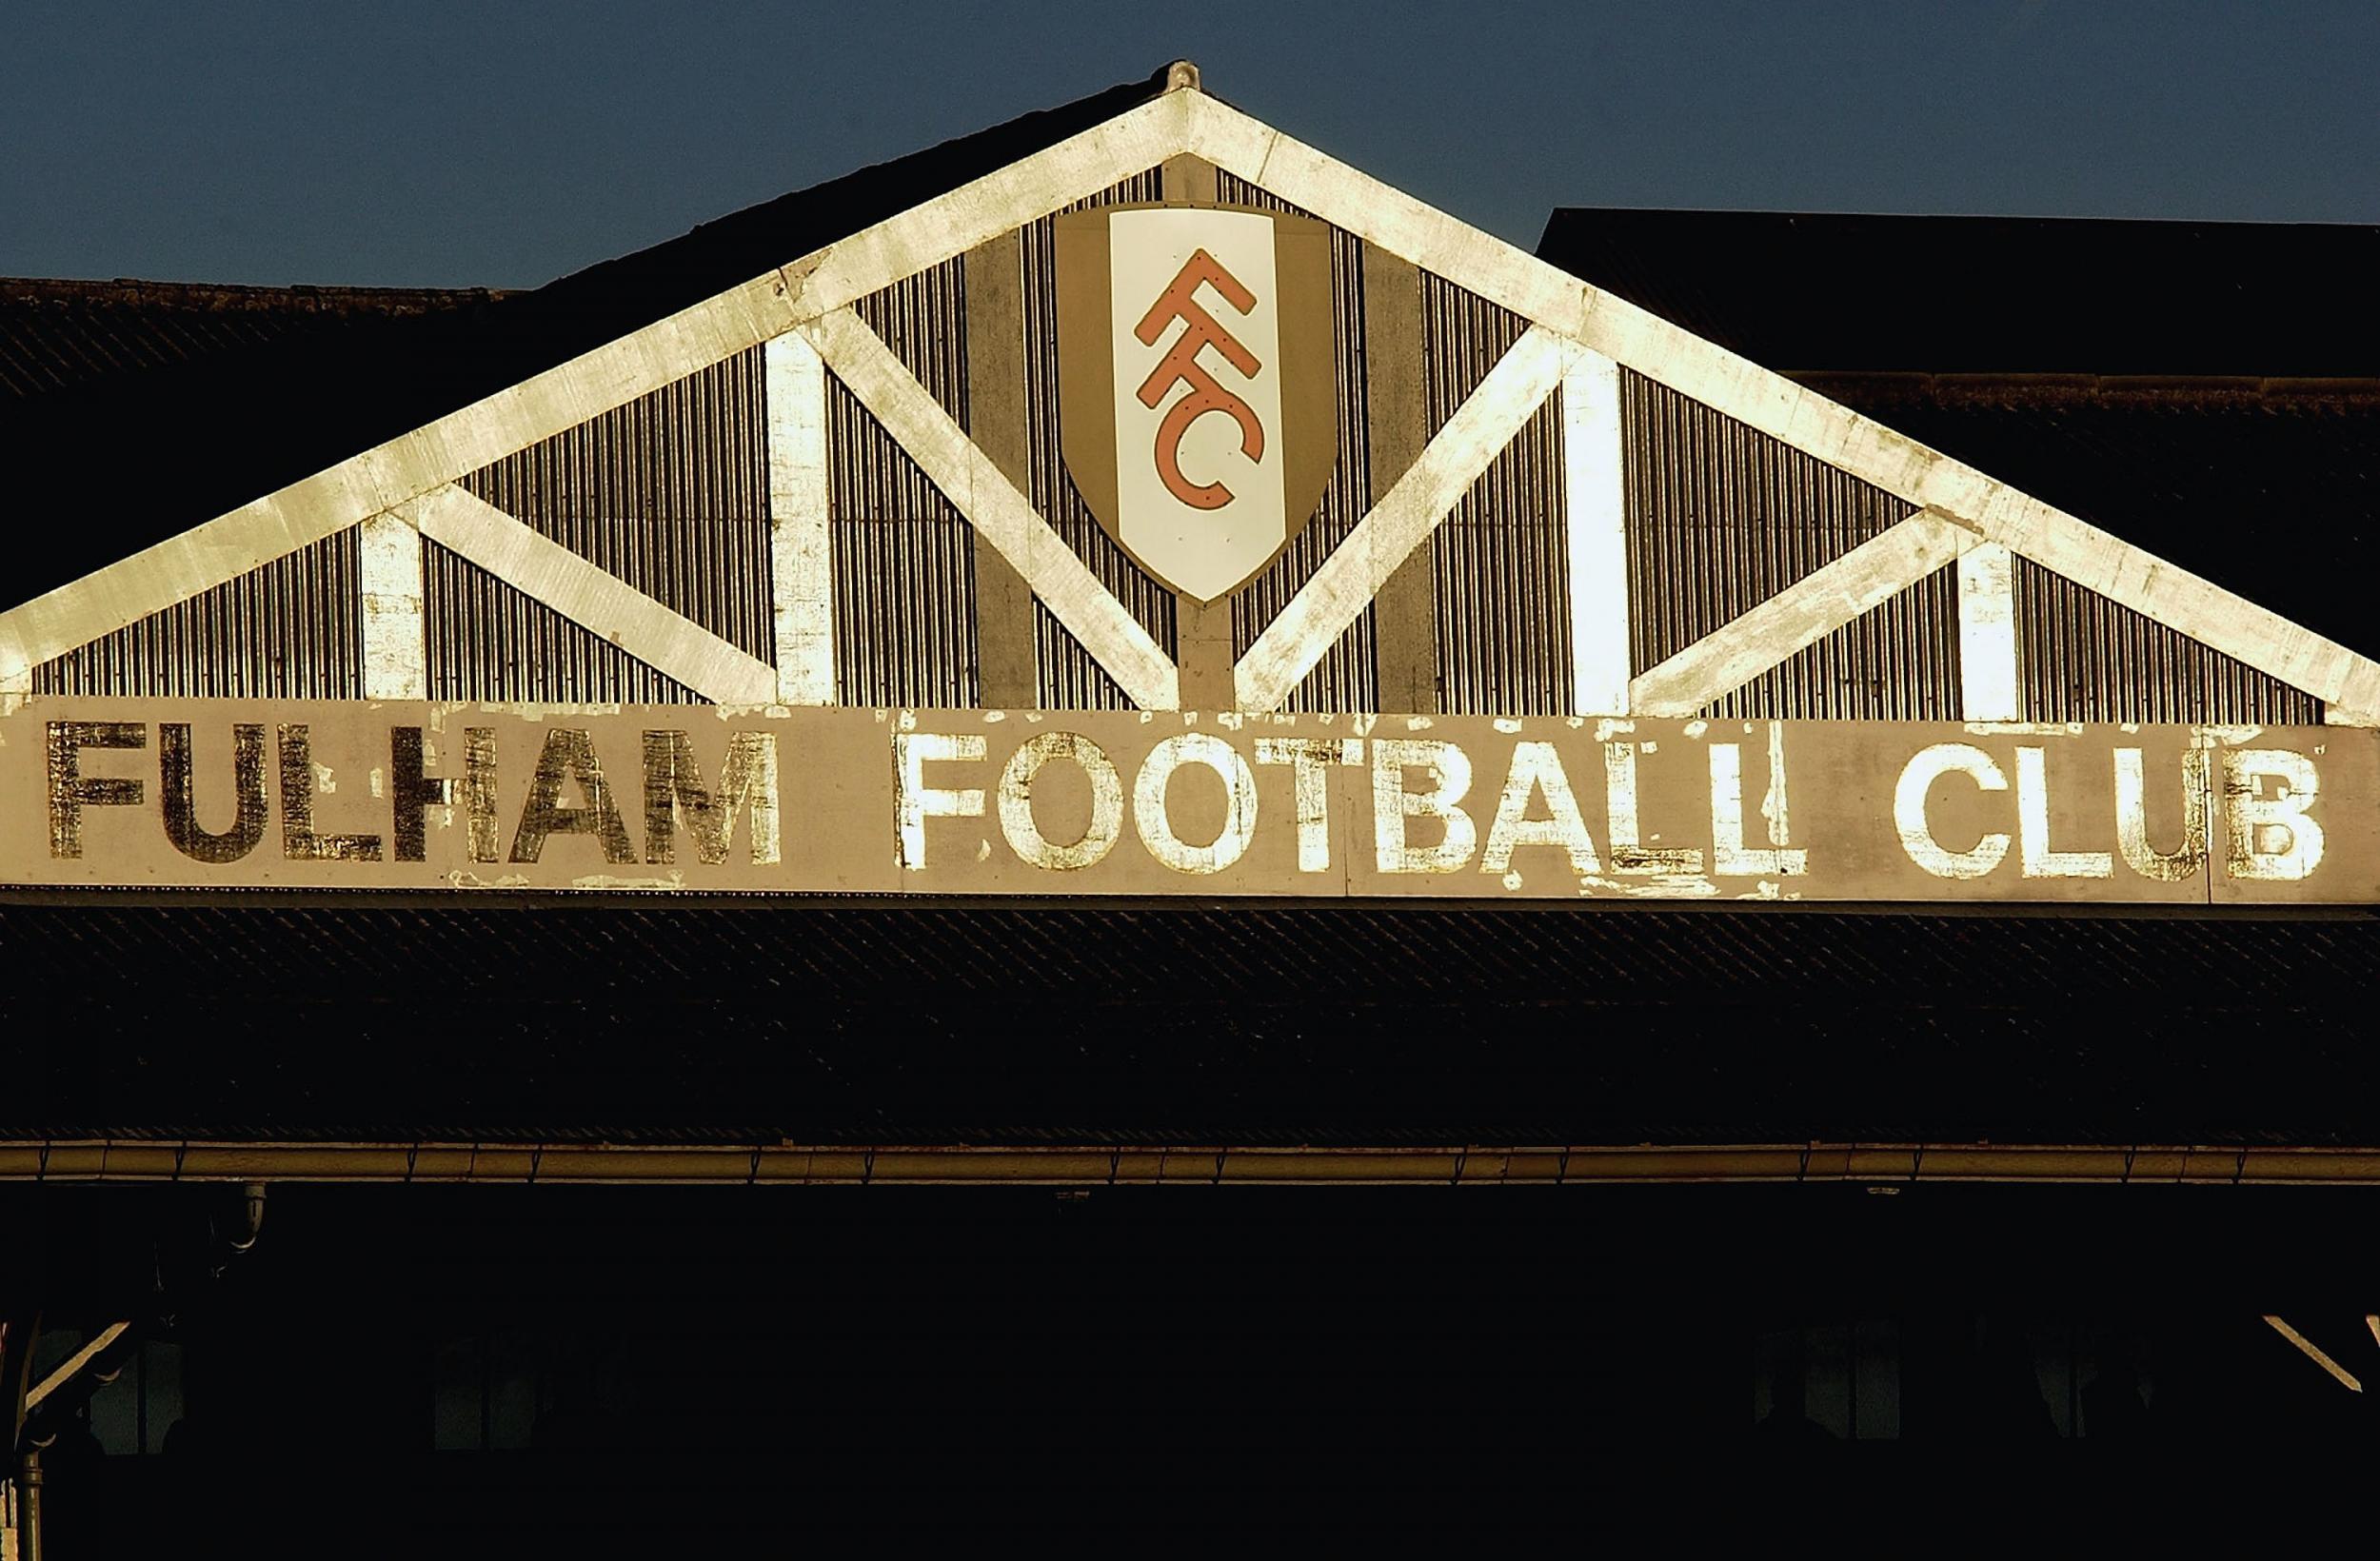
{"x":665,"y":640}
{"x":991,"y":504}
{"x":1403,"y":519}
{"x":1801,"y":615}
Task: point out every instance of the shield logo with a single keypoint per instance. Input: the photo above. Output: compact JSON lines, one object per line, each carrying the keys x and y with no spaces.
{"x":1198,"y":406}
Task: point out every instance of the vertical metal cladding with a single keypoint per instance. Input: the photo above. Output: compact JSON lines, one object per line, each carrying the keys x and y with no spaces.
{"x":668,"y":492}
{"x":292,"y":629}
{"x":2082,"y":657}
{"x":1897,"y":662}
{"x":1069,"y":679}
{"x":1721,"y":517}
{"x":923,"y":319}
{"x":490,"y":641}
{"x":904,"y":570}
{"x":903,"y":556}
{"x":1502,"y":568}
{"x":1347,"y":677}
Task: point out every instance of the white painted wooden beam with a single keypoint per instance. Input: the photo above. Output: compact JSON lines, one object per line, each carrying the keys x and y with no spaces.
{"x":1988,"y":687}
{"x":665,"y":640}
{"x":1408,"y":512}
{"x":799,"y":538}
{"x":1802,"y":614}
{"x":396,"y":662}
{"x":1595,"y":512}
{"x":991,"y":504}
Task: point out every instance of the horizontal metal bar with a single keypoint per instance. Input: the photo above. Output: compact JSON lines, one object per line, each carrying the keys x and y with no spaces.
{"x":150,"y":1160}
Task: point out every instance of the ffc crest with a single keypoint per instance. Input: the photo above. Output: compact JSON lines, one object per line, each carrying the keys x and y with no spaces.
{"x":1196,"y":384}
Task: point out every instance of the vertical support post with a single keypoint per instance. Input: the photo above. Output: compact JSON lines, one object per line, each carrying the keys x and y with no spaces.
{"x":396,"y":661}
{"x":1988,"y":685}
{"x":1596,"y":524}
{"x":799,"y":543}
{"x":1008,"y":676}
{"x":1204,"y":648}
{"x":1404,"y":613}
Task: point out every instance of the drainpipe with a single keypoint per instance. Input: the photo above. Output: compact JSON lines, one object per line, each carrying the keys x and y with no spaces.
{"x":252,"y":1214}
{"x":29,"y":1505}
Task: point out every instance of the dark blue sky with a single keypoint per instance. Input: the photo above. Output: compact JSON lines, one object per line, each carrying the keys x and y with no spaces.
{"x":435,"y":143}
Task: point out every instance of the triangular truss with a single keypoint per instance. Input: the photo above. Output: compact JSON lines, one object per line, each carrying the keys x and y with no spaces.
{"x":802,"y":315}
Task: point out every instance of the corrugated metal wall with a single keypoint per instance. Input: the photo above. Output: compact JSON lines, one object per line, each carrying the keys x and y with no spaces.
{"x":903,"y":556}
{"x":2081,"y":656}
{"x":1502,"y":558}
{"x":669,"y":493}
{"x":1721,"y":517}
{"x":1347,"y":677}
{"x":490,"y":641}
{"x":1069,"y":679}
{"x":1899,"y":662}
{"x":292,"y":629}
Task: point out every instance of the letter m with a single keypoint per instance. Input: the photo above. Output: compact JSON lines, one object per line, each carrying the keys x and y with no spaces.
{"x":675,"y":794}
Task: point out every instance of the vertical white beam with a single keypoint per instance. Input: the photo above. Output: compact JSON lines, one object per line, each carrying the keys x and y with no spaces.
{"x":1986,"y":635}
{"x":396,"y":664}
{"x":1596,"y":515}
{"x":801,"y":547}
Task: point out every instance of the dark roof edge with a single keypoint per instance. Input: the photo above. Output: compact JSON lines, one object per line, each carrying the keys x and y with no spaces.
{"x":236,"y":296}
{"x":2164,"y":389}
{"x":948,"y":164}
{"x":2020,"y":219}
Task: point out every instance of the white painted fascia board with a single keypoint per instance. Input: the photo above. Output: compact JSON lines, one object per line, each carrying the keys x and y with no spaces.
{"x":552,"y":574}
{"x":1402,"y":519}
{"x":978,"y":489}
{"x":1382,"y":214}
{"x":587,"y":387}
{"x":1183,"y":121}
{"x":1800,"y":615}
{"x":949,"y":225}
{"x":1730,"y":383}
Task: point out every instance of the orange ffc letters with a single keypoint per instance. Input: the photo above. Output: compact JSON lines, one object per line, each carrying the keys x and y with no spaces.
{"x":1180,"y":362}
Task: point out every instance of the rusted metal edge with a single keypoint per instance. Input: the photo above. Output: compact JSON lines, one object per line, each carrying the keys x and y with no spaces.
{"x":168,"y":1160}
